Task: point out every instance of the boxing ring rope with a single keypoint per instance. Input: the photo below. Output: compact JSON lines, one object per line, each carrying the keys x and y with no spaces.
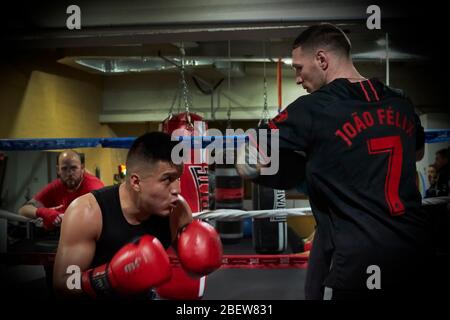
{"x":209,"y":214}
{"x":431,"y":136}
{"x":241,"y":214}
{"x":11,"y":216}
{"x":259,"y":261}
{"x":125,"y":143}
{"x":235,"y":214}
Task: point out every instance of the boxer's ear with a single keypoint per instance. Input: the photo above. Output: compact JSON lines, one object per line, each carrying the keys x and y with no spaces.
{"x":134,"y":181}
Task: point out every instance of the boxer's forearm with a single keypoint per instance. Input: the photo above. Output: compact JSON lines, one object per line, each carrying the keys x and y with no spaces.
{"x":180,"y":216}
{"x":62,"y":288}
{"x":28,"y":211}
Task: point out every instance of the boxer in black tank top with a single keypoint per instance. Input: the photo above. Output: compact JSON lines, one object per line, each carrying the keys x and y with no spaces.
{"x":116,"y":231}
{"x":118,"y":236}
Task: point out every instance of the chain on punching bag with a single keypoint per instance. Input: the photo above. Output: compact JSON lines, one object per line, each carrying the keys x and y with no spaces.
{"x":269,"y":234}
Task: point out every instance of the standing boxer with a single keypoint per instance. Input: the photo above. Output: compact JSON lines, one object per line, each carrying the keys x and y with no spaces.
{"x":117,"y":236}
{"x":360,"y":138}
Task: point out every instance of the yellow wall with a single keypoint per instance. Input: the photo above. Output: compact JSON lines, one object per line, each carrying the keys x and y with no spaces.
{"x":44,"y":100}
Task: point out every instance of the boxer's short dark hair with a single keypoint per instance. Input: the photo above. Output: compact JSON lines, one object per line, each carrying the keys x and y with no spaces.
{"x":151,"y":147}
{"x":323,"y":35}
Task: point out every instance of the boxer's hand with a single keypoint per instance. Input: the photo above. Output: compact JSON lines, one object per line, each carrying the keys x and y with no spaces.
{"x":136,"y":267}
{"x":50,"y":216}
{"x":247,"y":161}
{"x":251,"y":158}
{"x":199,"y":248}
{"x":58,"y":220}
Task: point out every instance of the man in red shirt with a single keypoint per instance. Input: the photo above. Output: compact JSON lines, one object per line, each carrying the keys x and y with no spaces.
{"x":52,"y":201}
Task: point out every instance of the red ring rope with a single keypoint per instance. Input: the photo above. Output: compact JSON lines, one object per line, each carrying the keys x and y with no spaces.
{"x":278,"y":261}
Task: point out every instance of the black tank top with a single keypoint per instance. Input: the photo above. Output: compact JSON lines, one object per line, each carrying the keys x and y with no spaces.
{"x":117,"y":232}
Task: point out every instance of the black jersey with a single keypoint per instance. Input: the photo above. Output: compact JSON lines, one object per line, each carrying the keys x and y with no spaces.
{"x":117,"y":232}
{"x":360,"y":143}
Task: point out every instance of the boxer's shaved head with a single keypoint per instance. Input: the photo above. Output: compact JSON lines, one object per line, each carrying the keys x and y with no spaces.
{"x":66,"y":154}
{"x":70,"y":168}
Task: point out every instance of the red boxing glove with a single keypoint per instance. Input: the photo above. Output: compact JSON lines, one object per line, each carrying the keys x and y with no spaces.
{"x":182,"y":287}
{"x":199,"y":248}
{"x":48,"y":216}
{"x":137,"y":267}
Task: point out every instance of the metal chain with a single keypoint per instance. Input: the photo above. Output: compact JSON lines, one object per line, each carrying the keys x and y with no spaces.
{"x":265,"y":113}
{"x":229,"y":86}
{"x":184,"y":88}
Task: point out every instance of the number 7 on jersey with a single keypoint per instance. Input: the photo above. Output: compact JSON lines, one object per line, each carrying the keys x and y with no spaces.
{"x":393,"y":146}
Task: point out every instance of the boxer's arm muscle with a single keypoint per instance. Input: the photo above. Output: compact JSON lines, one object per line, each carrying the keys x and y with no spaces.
{"x":80,"y":230}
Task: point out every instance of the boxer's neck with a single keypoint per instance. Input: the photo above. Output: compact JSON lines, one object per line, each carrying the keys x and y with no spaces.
{"x":128,"y":204}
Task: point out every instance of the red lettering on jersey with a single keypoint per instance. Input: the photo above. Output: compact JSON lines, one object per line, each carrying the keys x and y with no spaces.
{"x":390,"y":116}
{"x":282,"y":116}
{"x":359,"y":123}
{"x":349,"y":129}
{"x":368,"y":119}
{"x":339,"y":133}
{"x":381,"y":116}
{"x":360,"y":126}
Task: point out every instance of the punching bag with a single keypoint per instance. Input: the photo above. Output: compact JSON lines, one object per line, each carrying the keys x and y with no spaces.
{"x":269,"y":234}
{"x":229,"y":195}
{"x":194,"y":180}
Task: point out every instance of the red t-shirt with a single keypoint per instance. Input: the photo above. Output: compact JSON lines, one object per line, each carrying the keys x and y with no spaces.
{"x":55,"y":193}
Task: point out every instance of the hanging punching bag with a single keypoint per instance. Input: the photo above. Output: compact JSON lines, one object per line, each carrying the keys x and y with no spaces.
{"x":194,"y":180}
{"x":269,"y":234}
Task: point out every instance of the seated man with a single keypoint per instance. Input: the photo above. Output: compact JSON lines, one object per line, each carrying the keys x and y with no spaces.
{"x":432,"y":181}
{"x":52,"y":201}
{"x":443,"y":173}
{"x":117,"y":235}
